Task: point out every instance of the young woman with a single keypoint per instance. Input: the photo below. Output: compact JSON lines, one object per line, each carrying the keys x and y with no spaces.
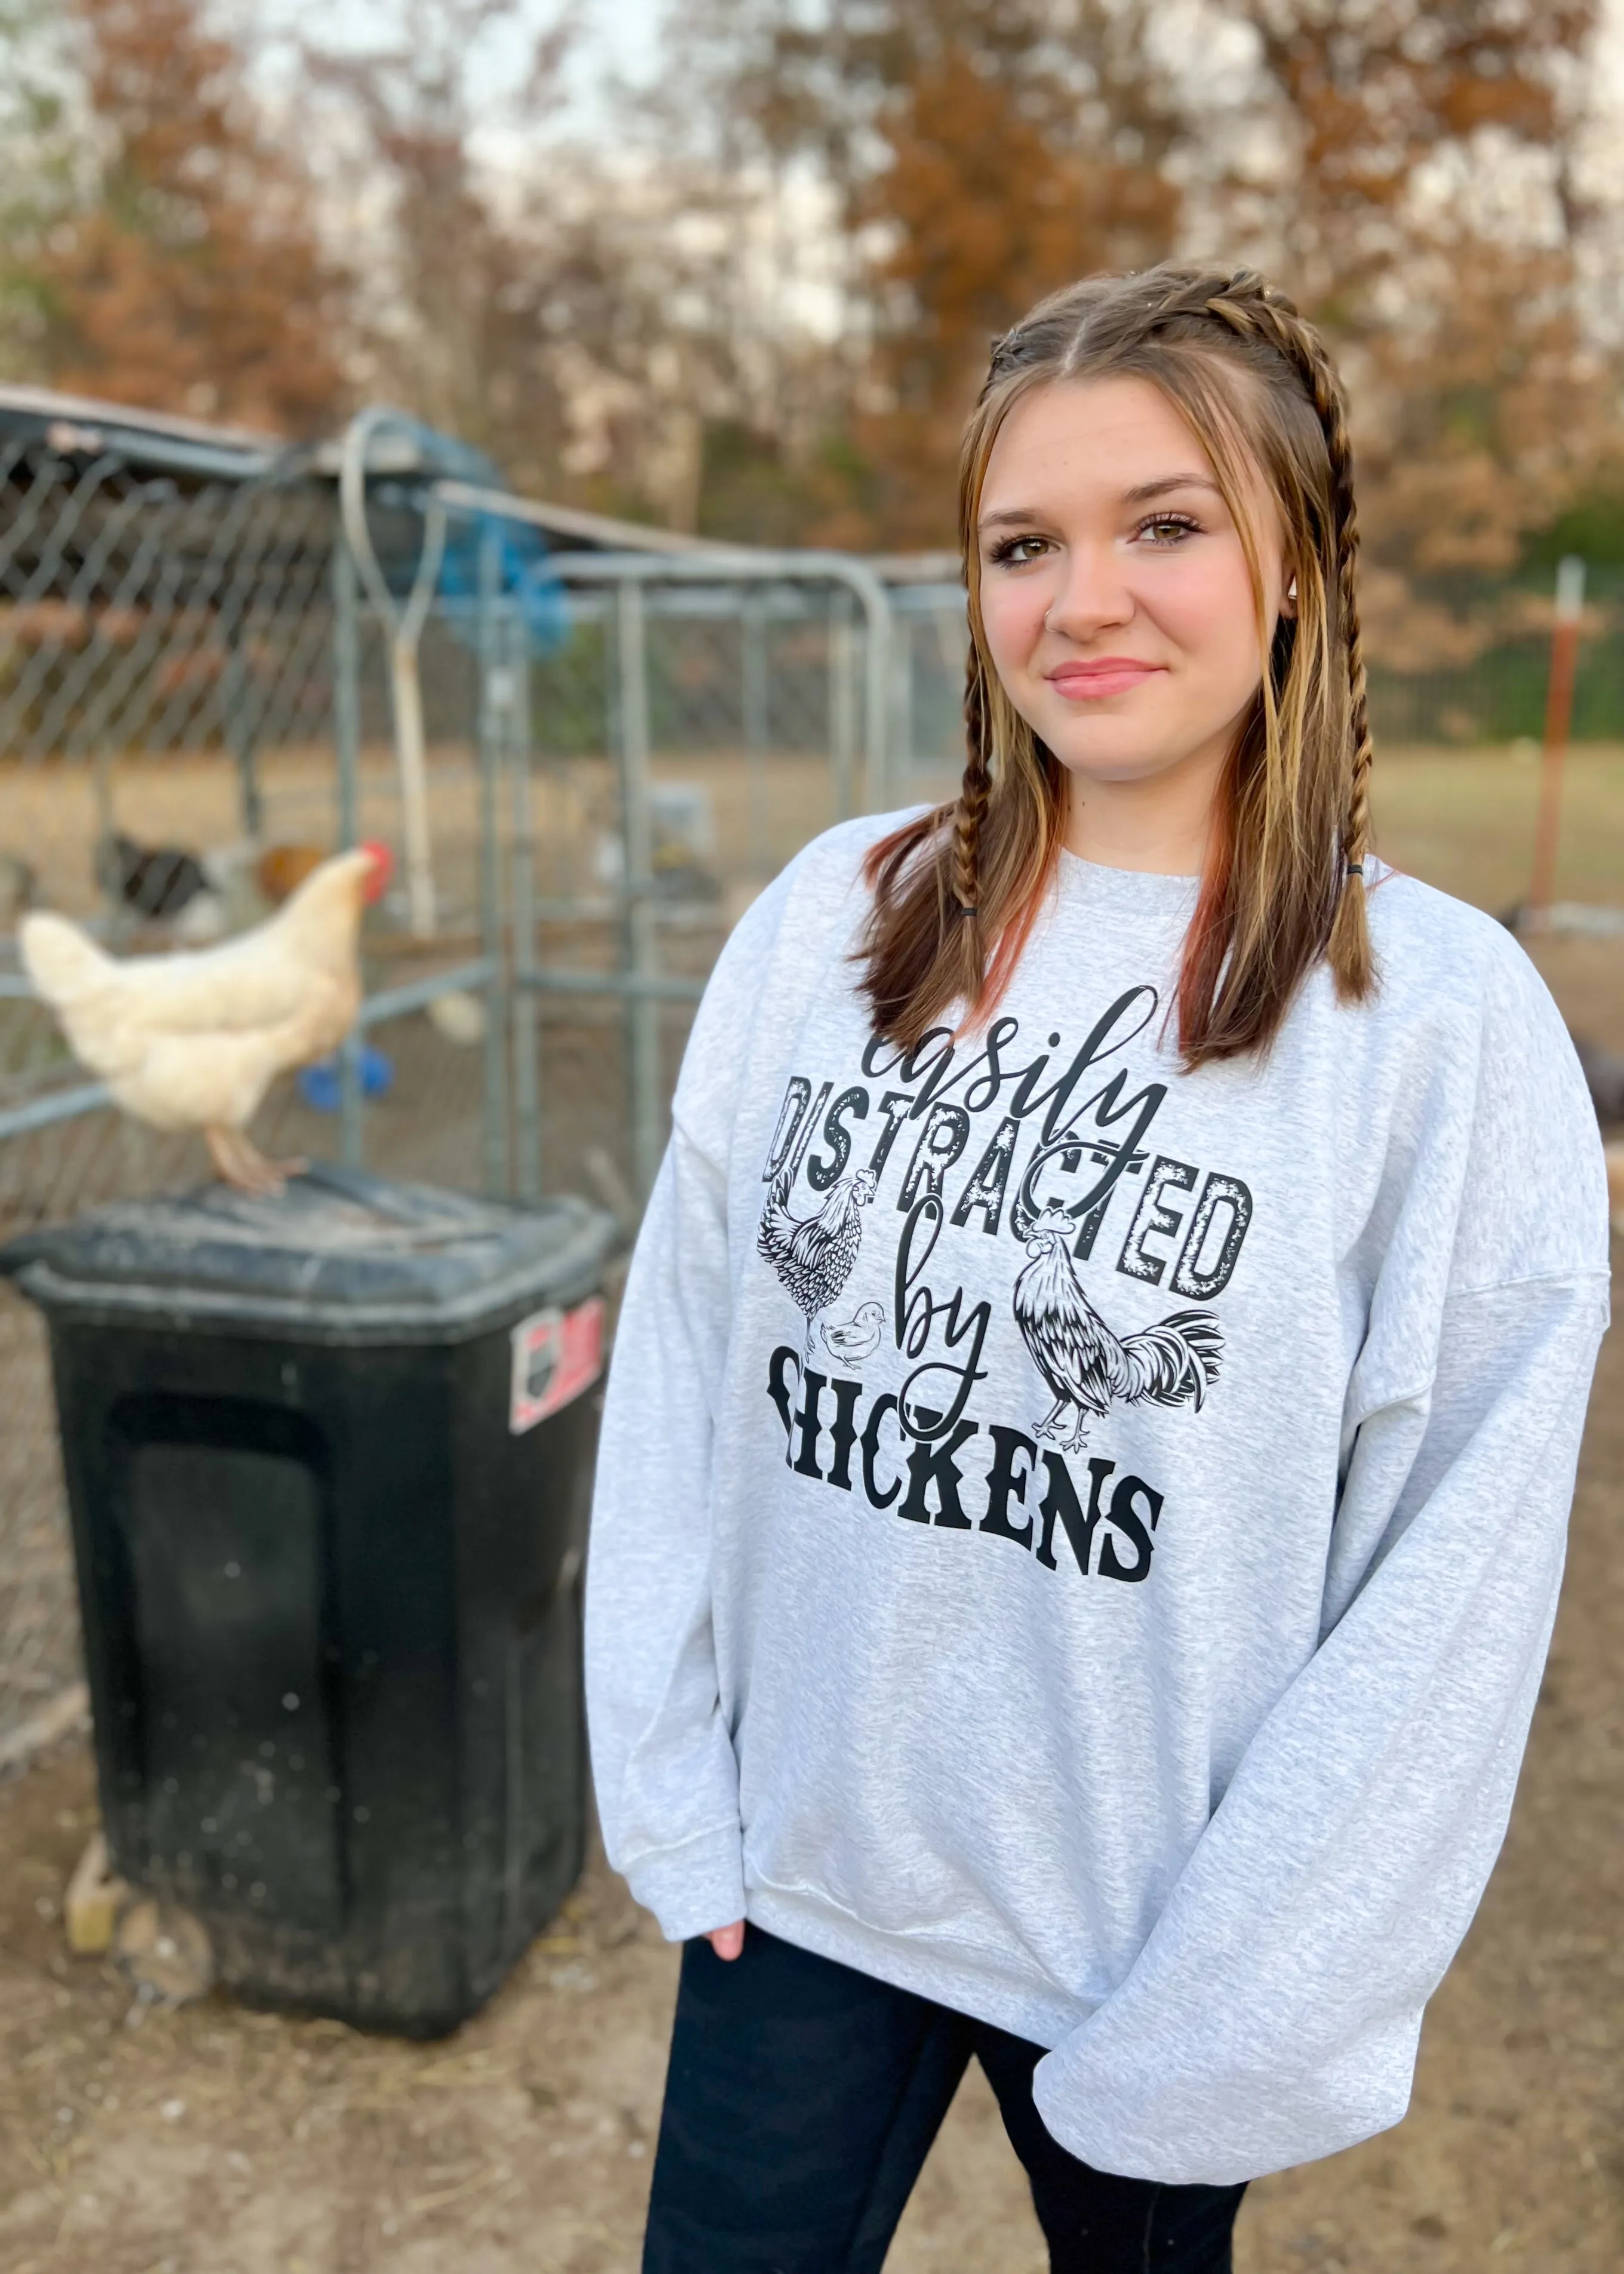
{"x":1086,"y":1464}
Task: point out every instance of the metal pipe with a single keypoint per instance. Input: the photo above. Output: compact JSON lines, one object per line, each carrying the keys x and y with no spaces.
{"x":754,"y":717}
{"x":524,"y":1017}
{"x":240,"y":737}
{"x":403,"y":628}
{"x":416,"y":994}
{"x":665,"y":987}
{"x":568,"y":521}
{"x":1558,"y":720}
{"x":842,"y":699}
{"x":347,"y":749}
{"x":901,"y":739}
{"x":637,"y":880}
{"x":390,"y":1003}
{"x":495,"y":701}
{"x":61,"y":1105}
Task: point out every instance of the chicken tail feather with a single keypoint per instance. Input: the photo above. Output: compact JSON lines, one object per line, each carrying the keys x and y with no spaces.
{"x":777,"y":1227}
{"x":1175,"y":1362}
{"x":61,"y":962}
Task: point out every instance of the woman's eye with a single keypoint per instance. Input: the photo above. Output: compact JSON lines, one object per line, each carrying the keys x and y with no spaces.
{"x":1016,"y":552}
{"x":1166,"y":529}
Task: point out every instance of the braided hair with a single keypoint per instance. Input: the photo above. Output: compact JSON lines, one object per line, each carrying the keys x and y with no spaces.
{"x":1252,"y":310}
{"x":956,"y":892}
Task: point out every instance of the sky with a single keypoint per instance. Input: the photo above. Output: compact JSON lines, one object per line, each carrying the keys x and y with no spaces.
{"x":621,"y":36}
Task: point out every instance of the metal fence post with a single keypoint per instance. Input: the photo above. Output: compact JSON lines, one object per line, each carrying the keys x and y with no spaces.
{"x":637,"y":883}
{"x":526,"y":1020}
{"x":900,"y":758}
{"x":842,"y":700}
{"x":496,"y":695}
{"x":347,"y":749}
{"x":240,"y":736}
{"x":876,"y":691}
{"x":752,"y":693}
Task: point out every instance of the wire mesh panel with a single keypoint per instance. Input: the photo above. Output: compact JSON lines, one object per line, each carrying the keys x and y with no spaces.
{"x":706,"y":718}
{"x":211,"y":675}
{"x":169,"y":658}
{"x":142,"y":612}
{"x":201,"y":694}
{"x":929,"y":640}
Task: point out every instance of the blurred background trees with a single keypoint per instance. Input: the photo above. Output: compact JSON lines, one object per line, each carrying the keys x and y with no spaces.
{"x":754,"y":295}
{"x":170,"y":254}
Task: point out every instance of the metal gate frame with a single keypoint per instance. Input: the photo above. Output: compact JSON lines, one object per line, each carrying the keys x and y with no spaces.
{"x":639,"y":983}
{"x":507,"y":972}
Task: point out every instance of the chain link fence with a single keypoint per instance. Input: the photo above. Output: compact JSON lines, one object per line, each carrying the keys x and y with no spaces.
{"x":211,"y":674}
{"x":205,"y":684}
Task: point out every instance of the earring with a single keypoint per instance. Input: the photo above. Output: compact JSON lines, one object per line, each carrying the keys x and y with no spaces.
{"x":1291,"y":590}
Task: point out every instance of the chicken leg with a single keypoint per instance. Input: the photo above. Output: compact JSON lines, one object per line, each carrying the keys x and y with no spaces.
{"x":244,"y":1166}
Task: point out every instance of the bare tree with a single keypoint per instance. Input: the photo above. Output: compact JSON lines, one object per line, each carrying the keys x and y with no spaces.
{"x":182,"y":266}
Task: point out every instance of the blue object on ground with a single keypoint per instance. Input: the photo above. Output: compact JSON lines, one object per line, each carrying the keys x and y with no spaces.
{"x":321,"y":1085}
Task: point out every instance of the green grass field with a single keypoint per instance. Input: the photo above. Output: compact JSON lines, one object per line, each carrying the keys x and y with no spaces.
{"x":1465,"y":820}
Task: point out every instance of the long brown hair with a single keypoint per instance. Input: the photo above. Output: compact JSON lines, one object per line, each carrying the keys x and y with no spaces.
{"x":957,"y":891}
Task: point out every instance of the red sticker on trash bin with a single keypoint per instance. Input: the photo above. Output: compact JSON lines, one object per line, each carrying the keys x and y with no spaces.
{"x":556,"y":1355}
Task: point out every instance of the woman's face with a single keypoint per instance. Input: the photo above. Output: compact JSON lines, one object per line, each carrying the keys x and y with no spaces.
{"x":1115,"y":592}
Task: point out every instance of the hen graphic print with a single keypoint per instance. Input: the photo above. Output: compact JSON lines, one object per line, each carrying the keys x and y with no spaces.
{"x":986,"y":1139}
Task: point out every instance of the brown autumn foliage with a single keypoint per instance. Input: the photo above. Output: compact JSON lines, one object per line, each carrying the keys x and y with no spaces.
{"x":195,"y":279}
{"x":1431,"y":223}
{"x":547,"y":317}
{"x":594,"y":327}
{"x":983,"y":153}
{"x":983,"y":215}
{"x":445,"y":311}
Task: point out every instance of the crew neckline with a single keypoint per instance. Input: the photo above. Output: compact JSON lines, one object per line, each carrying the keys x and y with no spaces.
{"x":1144,"y":887}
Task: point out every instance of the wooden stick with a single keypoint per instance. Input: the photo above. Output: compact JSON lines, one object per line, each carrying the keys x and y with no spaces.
{"x":1558,"y":720}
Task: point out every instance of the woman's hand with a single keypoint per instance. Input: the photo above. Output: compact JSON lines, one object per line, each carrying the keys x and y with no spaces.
{"x":727,"y":1942}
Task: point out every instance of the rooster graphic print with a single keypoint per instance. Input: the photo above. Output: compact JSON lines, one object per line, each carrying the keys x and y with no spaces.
{"x":988,"y":1190}
{"x":1090,"y":1369}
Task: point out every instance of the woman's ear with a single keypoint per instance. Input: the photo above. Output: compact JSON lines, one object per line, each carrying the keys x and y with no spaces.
{"x":1288,"y":600}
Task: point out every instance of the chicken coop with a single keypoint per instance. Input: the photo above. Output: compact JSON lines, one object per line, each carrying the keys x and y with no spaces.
{"x":587,"y":745}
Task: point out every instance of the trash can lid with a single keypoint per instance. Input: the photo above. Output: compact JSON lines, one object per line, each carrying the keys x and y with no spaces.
{"x":340,"y":1255}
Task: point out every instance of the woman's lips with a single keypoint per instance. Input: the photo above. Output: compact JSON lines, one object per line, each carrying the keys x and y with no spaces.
{"x":1109,"y":674}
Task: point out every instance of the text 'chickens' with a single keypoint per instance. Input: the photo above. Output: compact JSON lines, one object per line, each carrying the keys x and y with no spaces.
{"x":837,"y":1434}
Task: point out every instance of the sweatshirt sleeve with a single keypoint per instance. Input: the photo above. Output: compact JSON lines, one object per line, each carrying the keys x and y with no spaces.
{"x":1273,"y":2012}
{"x":662,"y":1759}
{"x":663,"y":1762}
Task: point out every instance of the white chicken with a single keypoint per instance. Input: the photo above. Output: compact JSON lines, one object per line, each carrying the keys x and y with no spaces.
{"x":194,"y":1041}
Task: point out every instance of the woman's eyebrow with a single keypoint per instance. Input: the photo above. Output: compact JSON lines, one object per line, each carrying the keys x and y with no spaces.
{"x":1011,"y":516}
{"x":1025,"y":515}
{"x":1166,"y":482}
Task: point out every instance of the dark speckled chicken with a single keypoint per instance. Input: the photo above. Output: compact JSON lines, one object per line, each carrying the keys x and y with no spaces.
{"x":1090,"y":1369}
{"x":814,"y":1254}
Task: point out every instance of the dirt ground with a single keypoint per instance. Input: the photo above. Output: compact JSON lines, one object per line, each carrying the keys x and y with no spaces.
{"x":210,"y":2140}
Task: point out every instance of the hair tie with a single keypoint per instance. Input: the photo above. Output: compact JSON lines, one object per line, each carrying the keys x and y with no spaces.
{"x":1356,"y":868}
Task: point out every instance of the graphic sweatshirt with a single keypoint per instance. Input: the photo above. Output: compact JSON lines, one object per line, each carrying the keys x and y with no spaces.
{"x":1078,"y":1540}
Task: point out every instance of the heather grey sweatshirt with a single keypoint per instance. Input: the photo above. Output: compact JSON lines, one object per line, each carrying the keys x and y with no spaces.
{"x":1078,"y":1540}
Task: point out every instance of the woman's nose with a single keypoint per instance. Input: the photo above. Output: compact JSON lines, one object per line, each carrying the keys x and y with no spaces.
{"x":1094,"y":595}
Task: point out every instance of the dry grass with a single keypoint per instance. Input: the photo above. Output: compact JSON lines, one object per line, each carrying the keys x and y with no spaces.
{"x":217,"y":2141}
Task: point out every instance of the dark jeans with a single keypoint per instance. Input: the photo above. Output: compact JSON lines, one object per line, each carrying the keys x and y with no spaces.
{"x":801,"y":2101}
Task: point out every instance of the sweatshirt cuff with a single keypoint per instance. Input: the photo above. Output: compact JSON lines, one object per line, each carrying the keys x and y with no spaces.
{"x":1183,"y":2129}
{"x":693,"y":1889}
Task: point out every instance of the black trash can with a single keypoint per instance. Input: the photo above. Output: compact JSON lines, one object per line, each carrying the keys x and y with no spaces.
{"x":328,"y":1460}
